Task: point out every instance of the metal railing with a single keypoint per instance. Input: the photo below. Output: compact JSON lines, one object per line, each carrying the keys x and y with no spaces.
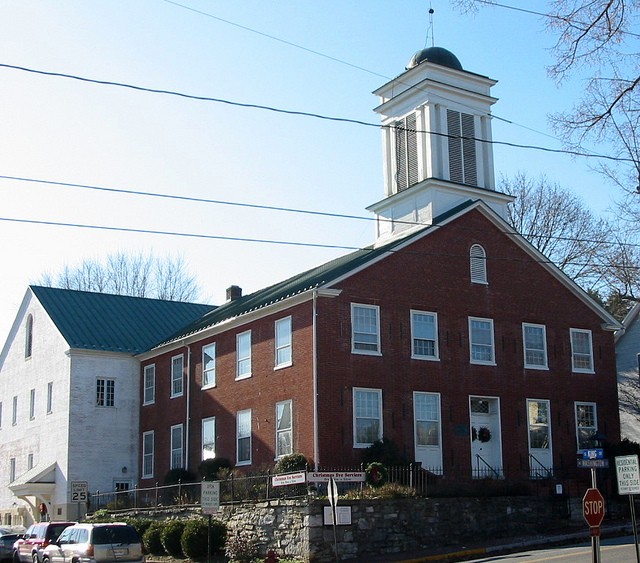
{"x":482,"y":480}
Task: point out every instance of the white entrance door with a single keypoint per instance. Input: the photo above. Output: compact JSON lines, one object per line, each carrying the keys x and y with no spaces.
{"x":540,"y":451}
{"x":427,"y":435}
{"x":486,"y":442}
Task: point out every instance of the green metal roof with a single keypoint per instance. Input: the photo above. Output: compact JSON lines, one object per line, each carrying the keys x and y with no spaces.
{"x":311,"y":279}
{"x":115,"y":323}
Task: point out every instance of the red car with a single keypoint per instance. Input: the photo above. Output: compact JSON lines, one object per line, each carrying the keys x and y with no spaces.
{"x":28,"y":549}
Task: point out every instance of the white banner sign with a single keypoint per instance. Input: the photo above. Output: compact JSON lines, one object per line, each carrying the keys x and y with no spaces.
{"x":338,"y":476}
{"x":289,"y":479}
{"x":628,"y":473}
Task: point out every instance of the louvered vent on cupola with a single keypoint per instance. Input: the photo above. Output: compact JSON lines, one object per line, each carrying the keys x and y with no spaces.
{"x":462,"y":148}
{"x":406,"y":152}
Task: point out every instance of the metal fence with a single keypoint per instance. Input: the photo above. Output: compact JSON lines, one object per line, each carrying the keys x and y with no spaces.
{"x":406,"y":480}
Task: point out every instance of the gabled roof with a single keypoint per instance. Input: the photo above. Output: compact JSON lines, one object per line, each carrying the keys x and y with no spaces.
{"x":115,"y":323}
{"x":332,"y":271}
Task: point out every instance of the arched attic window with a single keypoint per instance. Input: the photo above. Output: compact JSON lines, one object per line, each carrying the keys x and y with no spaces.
{"x":478,"y":264}
{"x":28,"y":337}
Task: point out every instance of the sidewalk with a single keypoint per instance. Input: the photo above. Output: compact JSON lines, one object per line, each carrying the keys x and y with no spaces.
{"x":505,"y":545}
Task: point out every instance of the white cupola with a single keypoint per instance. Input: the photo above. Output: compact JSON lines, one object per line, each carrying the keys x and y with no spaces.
{"x":436,"y":141}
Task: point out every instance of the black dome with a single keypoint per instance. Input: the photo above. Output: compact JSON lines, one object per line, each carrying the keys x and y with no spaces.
{"x":436,"y":55}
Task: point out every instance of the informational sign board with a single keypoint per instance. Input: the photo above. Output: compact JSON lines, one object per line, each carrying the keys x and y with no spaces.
{"x":628,"y":474}
{"x":338,"y":476}
{"x":79,"y":491}
{"x":289,"y":479}
{"x":343,"y":516}
{"x":210,"y":497}
{"x":593,"y":463}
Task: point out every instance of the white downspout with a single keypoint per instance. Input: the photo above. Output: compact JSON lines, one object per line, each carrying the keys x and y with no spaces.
{"x":315,"y":383}
{"x":188,"y":413}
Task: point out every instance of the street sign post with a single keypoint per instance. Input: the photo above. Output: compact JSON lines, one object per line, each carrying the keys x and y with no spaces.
{"x":593,"y":511}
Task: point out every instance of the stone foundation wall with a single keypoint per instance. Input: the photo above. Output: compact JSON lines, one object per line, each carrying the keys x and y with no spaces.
{"x":295,"y":528}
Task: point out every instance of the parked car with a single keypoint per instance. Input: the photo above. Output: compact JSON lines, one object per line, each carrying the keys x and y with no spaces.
{"x":7,"y":539}
{"x":96,"y":543}
{"x":28,"y":548}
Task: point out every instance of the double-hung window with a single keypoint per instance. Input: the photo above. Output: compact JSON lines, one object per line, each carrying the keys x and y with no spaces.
{"x":209,"y":438}
{"x":209,"y":365}
{"x":177,"y":376}
{"x":365,"y":329}
{"x":14,"y":411}
{"x":177,"y":460}
{"x":586,"y":425}
{"x":535,"y":346}
{"x":481,"y":344}
{"x":283,"y":342}
{"x":284,"y":429}
{"x":243,"y":353}
{"x":367,"y":417}
{"x":105,"y":392}
{"x":50,"y":397}
{"x":149,"y":384}
{"x":581,"y":351}
{"x":147,"y":454}
{"x":243,"y":437}
{"x":424,"y":335}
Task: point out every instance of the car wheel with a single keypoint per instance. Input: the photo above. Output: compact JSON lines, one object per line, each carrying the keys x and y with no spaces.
{"x":34,"y":558}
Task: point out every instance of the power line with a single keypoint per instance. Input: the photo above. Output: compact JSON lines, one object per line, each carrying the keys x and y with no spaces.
{"x":509,"y":232}
{"x":281,"y":242}
{"x":305,"y":113}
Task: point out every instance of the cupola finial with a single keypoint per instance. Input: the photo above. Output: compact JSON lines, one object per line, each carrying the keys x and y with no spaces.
{"x":430,"y":28}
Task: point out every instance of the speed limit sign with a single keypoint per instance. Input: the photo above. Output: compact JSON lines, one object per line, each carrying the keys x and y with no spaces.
{"x":79,"y":491}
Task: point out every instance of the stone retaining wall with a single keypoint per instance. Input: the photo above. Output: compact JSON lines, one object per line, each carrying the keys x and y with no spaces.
{"x":295,"y":528}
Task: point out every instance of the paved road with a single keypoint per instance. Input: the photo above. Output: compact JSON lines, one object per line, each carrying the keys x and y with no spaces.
{"x":615,"y":550}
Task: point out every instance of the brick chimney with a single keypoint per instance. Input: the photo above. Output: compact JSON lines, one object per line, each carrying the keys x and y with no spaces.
{"x":233,"y":292}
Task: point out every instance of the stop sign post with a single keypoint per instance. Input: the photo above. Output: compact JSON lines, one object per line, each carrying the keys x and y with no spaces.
{"x":593,"y":507}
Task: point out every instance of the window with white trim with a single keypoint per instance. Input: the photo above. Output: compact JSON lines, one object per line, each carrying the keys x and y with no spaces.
{"x":243,"y":352}
{"x":462,"y":147}
{"x":478,"y":264}
{"x":50,"y":397}
{"x":424,"y":335}
{"x":481,"y":343}
{"x":32,"y":404}
{"x":586,"y":425}
{"x":365,"y":329}
{"x":12,"y":470}
{"x":427,"y":418}
{"x":534,"y":338}
{"x":539,"y":424}
{"x":105,"y":392}
{"x":209,"y":438}
{"x":284,"y":429}
{"x":148,"y":446}
{"x":283,"y":342}
{"x":28,"y":337}
{"x":149,"y":396}
{"x":581,"y":351}
{"x":14,"y":411}
{"x":209,"y":365}
{"x":243,"y":437}
{"x":367,"y":417}
{"x":177,"y":447}
{"x":29,"y":461}
{"x":177,"y":376}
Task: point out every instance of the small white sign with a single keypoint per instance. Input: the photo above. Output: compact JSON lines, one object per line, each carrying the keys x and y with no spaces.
{"x":210,"y":497}
{"x":338,"y":476}
{"x":79,"y":491}
{"x":289,"y":479}
{"x":628,"y":474}
{"x":343,"y":516}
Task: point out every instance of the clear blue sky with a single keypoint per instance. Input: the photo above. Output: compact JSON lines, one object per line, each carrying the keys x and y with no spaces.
{"x":62,"y":130}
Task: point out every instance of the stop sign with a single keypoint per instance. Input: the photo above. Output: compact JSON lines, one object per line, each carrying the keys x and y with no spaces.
{"x":593,"y":507}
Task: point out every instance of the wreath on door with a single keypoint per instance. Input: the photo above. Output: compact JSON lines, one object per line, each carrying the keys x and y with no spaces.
{"x":484,"y":434}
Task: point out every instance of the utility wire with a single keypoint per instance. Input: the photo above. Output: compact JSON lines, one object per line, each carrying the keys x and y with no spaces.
{"x":509,"y":232}
{"x":306,"y":114}
{"x":280,"y":242}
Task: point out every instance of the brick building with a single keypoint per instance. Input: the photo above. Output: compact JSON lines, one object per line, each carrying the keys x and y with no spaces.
{"x":450,"y":335}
